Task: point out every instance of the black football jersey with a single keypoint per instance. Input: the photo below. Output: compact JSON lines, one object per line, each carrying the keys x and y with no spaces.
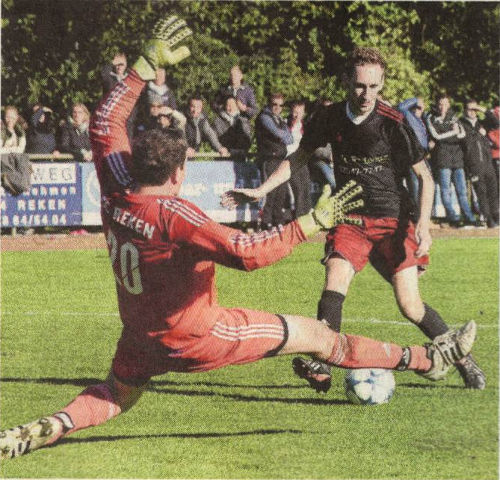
{"x":377,"y":153}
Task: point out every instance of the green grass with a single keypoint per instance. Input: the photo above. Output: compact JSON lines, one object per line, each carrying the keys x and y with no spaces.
{"x":58,"y":332}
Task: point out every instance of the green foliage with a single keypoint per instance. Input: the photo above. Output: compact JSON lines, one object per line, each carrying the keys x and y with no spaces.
{"x":53,"y":50}
{"x":207,"y":69}
{"x":458,"y":43}
{"x":387,"y":27}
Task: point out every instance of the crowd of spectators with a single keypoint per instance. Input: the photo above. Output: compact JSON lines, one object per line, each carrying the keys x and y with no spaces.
{"x":458,"y":148}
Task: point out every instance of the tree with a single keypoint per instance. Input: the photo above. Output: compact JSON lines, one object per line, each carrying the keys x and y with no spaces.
{"x":53,"y":50}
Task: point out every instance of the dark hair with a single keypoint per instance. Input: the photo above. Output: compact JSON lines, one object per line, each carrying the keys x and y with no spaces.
{"x":228,"y":97}
{"x":196,"y":96}
{"x":118,"y":52}
{"x":156,"y":154}
{"x":364,"y":56}
{"x":276,"y":95}
{"x":442,"y":95}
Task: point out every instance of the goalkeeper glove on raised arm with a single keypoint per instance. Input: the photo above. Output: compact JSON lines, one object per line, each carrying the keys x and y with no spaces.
{"x":158,"y":50}
{"x":330,"y":210}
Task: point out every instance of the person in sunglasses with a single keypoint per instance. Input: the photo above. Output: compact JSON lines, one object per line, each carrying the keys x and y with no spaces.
{"x":273,"y":136}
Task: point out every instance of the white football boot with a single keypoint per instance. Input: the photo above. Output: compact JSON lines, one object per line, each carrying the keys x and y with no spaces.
{"x":449,"y":348}
{"x":25,"y":438}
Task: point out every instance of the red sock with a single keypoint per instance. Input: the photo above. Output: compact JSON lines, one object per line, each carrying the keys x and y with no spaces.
{"x":418,"y":359}
{"x":351,"y":351}
{"x":94,"y":406}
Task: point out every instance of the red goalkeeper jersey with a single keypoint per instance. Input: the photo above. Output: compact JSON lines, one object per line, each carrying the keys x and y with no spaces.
{"x":163,"y":249}
{"x":163,"y":252}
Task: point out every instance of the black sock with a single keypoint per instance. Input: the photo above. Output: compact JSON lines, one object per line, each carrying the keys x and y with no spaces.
{"x":330,"y":308}
{"x":432,"y":324}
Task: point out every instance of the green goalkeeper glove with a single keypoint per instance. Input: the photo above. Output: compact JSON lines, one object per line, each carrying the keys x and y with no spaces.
{"x":158,"y":51}
{"x":331,"y":210}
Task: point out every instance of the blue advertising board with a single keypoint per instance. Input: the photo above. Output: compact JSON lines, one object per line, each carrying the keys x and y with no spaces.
{"x":68,"y":194}
{"x":203,"y":185}
{"x":91,"y":195}
{"x":206,"y":181}
{"x":54,"y":198}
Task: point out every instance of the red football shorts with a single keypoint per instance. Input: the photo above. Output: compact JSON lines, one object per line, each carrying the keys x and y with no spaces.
{"x":238,"y":336}
{"x":388,"y":243}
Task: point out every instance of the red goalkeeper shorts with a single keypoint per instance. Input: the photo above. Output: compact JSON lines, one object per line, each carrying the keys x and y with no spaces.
{"x":238,"y":336}
{"x":388,"y":243}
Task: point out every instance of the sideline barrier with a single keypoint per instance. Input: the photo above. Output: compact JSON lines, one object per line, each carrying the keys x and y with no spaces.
{"x":64,"y":157}
{"x":66,"y":193}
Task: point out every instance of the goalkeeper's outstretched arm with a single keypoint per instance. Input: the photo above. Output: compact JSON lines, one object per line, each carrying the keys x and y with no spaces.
{"x":108,"y":135}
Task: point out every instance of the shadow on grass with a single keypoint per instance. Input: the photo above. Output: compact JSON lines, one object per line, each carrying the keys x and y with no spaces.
{"x":160,"y":387}
{"x":84,"y":382}
{"x":111,"y":438}
{"x":430,"y":386}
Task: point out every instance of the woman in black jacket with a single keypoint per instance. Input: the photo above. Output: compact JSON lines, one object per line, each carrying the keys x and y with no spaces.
{"x":448,"y":161}
{"x":75,"y":134}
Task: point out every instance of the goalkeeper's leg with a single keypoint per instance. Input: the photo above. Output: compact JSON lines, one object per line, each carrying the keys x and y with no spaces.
{"x":350,"y":351}
{"x":94,"y":406}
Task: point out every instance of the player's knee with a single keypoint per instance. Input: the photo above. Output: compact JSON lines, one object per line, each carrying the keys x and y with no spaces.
{"x":339,"y":274}
{"x":412,"y":309}
{"x":306,"y":335}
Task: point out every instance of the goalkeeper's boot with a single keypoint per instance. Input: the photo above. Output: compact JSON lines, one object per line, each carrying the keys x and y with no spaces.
{"x":471,"y":374}
{"x":318,"y":374}
{"x":449,"y":348}
{"x":31,"y":436}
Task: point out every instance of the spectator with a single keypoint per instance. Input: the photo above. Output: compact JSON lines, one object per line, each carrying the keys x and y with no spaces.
{"x":41,"y":136}
{"x":300,"y":181}
{"x":447,"y":160}
{"x":154,"y":106}
{"x":169,"y":119}
{"x":478,"y":163}
{"x":493,"y":128}
{"x":15,"y":166}
{"x":273,"y":136}
{"x":233,"y":129}
{"x":158,"y":87}
{"x":413,"y":110}
{"x":237,"y":88}
{"x":13,"y":131}
{"x":113,"y":73}
{"x":322,"y":160}
{"x":198,"y":129}
{"x":75,"y":134}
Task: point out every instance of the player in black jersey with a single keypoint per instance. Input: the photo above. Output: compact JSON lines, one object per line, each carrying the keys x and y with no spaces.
{"x":373,"y":145}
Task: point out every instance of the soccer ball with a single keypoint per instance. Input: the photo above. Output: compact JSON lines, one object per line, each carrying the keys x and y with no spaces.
{"x":369,"y":386}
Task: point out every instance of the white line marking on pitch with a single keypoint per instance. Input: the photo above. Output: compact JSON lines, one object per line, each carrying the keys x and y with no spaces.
{"x":395,"y":322}
{"x":116,"y":315}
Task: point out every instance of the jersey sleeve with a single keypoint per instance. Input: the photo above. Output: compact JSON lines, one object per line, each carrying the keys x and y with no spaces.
{"x":185,"y":224}
{"x":317,"y":129}
{"x":108,"y":134}
{"x":406,"y":148}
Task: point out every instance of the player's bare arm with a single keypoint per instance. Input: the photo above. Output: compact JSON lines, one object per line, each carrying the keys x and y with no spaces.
{"x":232,"y":198}
{"x":422,"y":230}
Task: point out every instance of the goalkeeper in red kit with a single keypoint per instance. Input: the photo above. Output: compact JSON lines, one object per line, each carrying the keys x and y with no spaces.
{"x":163,"y":251}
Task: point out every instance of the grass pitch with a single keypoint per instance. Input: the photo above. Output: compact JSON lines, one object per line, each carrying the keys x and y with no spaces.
{"x":59,"y":329}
